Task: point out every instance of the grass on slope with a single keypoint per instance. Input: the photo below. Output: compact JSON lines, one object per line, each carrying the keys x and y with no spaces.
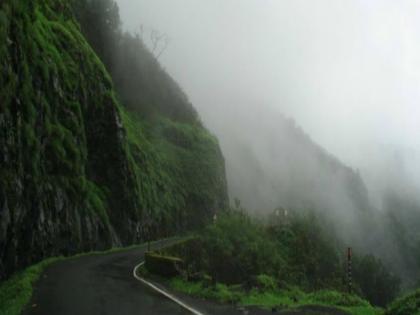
{"x":271,"y":296}
{"x":178,"y":169}
{"x":47,"y":73}
{"x":406,"y":305}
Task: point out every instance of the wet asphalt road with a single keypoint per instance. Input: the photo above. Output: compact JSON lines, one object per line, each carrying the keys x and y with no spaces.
{"x":98,"y":284}
{"x":104,"y":285}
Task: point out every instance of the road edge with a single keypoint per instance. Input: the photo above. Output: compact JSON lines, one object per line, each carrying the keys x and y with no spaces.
{"x":163,"y":292}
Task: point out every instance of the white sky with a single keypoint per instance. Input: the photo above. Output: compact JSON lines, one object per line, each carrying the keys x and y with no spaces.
{"x":348,"y":71}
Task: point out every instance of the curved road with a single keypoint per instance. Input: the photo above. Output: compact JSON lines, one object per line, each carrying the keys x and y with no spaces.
{"x":104,"y":284}
{"x":99,"y":284}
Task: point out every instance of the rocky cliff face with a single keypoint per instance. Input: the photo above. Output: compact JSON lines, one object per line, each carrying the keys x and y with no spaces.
{"x":77,"y":171}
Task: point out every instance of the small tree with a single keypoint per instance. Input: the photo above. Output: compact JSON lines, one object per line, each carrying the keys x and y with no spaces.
{"x":376,"y":283}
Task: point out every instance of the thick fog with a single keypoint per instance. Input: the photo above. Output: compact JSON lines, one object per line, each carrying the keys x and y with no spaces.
{"x":315,"y":104}
{"x":346,"y":69}
{"x":348,"y":72}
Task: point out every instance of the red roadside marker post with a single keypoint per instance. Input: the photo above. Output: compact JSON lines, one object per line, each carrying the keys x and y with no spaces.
{"x":349,"y":271}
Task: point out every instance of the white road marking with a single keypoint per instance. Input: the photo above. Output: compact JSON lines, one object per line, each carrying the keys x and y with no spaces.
{"x":163,"y":292}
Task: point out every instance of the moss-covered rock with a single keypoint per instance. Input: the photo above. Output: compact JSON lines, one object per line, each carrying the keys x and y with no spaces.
{"x":77,"y":172}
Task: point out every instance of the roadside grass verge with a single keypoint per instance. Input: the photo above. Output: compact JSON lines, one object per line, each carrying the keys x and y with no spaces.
{"x":16,"y":292}
{"x":288,"y":298}
{"x":267,"y":295}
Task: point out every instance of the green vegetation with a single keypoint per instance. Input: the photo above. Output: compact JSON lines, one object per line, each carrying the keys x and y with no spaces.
{"x":99,"y":144}
{"x":406,"y":305}
{"x":290,"y":262}
{"x":178,"y":167}
{"x":377,"y":284}
{"x":16,"y":292}
{"x":84,"y":165}
{"x":143,"y":85}
{"x":178,"y":171}
{"x":268,"y":297}
{"x":50,"y":51}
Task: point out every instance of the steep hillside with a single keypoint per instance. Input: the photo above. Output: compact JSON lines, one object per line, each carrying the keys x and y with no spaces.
{"x":271,"y":162}
{"x":285,"y":167}
{"x":78,"y":171}
{"x":131,"y":63}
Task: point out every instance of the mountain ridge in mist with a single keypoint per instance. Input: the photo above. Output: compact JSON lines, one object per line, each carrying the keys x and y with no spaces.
{"x":272,"y":162}
{"x":277,"y":164}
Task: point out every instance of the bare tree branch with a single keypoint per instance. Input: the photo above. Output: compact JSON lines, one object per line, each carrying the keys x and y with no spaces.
{"x":158,"y":40}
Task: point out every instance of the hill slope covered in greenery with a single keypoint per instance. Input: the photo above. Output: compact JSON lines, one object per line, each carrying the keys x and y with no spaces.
{"x":81,"y":167}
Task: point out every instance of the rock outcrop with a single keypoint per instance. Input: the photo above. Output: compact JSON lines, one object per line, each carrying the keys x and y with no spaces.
{"x":77,"y":171}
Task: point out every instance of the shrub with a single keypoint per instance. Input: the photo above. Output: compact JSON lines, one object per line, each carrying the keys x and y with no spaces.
{"x":337,"y":298}
{"x":236,"y":249}
{"x":407,"y":305}
{"x":266,"y":282}
{"x":376,"y":283}
{"x":299,"y":253}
